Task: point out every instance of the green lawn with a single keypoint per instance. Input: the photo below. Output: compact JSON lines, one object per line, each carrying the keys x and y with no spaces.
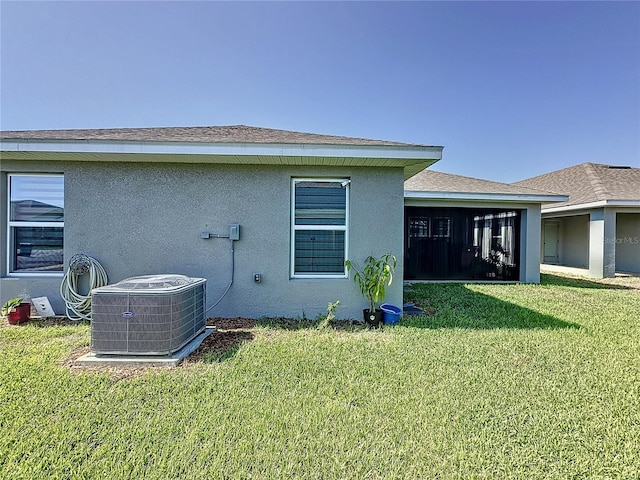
{"x":502,"y":381}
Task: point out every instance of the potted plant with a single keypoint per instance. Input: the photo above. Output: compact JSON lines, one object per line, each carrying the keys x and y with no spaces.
{"x":373,"y":278}
{"x":16,"y":311}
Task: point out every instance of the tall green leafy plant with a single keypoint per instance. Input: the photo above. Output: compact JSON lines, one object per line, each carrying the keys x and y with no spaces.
{"x":374,"y":277}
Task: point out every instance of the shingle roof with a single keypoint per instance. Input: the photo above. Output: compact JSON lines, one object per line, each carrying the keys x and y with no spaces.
{"x":432,"y":181}
{"x":235,"y":145}
{"x":217,"y":134}
{"x":589,"y":182}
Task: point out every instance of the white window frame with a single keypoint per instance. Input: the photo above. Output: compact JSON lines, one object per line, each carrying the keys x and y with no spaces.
{"x":346,"y":182}
{"x":17,"y":223}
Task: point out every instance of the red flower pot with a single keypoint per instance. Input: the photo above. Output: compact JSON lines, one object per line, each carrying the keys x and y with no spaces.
{"x":22,"y":313}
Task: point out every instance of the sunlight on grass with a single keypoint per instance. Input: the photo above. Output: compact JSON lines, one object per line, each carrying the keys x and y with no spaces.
{"x":502,"y":381}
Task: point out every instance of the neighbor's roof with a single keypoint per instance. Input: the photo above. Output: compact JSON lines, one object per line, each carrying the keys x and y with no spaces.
{"x":590,"y":185}
{"x":437,"y":185}
{"x":237,"y":144}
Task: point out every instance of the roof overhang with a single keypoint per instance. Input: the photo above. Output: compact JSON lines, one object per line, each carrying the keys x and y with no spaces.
{"x":483,"y":197}
{"x":591,"y":205}
{"x":412,"y":159}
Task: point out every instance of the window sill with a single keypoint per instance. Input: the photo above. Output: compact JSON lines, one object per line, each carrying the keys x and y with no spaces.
{"x":323,"y":277}
{"x":34,"y":274}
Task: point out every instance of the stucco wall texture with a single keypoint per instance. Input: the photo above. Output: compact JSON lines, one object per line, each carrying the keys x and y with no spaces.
{"x":146,"y":218}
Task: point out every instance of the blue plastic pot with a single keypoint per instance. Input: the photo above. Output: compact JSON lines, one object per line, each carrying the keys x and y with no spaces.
{"x":390,"y":313}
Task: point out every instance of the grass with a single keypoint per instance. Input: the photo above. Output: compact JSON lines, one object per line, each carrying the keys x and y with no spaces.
{"x":502,"y":381}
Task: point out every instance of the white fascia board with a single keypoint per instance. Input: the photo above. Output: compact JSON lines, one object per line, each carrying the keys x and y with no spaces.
{"x":228,"y":149}
{"x":587,"y":206}
{"x":492,"y":197}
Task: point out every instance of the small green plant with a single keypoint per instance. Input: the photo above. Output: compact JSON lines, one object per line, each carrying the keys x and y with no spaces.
{"x":376,"y":275}
{"x":325,"y":320}
{"x":10,"y":306}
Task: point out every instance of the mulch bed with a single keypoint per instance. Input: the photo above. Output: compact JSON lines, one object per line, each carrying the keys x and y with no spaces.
{"x":229,"y":333}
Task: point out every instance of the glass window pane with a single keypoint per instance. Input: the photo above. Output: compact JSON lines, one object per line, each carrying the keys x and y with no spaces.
{"x":320,"y":203}
{"x":419,"y":227}
{"x":319,"y":251}
{"x":441,"y":227}
{"x":36,"y":198}
{"x":37,"y":249}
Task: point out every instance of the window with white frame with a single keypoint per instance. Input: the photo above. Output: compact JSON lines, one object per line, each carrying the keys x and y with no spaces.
{"x":36,"y":223}
{"x":319,"y":233}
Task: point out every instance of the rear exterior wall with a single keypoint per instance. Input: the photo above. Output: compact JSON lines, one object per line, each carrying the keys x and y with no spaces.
{"x":146,"y":218}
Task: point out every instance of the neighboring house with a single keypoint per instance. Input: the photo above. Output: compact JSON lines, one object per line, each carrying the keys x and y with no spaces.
{"x":139,"y":200}
{"x":598,"y":227}
{"x":461,"y":228}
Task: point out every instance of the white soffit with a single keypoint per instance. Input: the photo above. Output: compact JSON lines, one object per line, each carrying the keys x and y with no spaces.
{"x":412,"y":158}
{"x":587,"y":206}
{"x":242,"y":149}
{"x":494,"y":197}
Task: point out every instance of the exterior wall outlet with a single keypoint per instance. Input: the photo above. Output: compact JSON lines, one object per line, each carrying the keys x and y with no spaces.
{"x":234,"y":231}
{"x":257,"y":277}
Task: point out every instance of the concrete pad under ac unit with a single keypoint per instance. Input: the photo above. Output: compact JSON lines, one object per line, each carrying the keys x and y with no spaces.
{"x":102,"y":360}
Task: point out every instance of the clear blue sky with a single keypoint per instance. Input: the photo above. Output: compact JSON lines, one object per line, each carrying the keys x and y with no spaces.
{"x":510,"y":89}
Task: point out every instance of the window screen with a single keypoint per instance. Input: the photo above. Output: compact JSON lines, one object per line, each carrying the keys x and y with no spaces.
{"x":36,"y":223}
{"x":319,"y":227}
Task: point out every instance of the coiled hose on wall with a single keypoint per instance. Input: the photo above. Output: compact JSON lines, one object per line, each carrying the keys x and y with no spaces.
{"x":78,"y":307}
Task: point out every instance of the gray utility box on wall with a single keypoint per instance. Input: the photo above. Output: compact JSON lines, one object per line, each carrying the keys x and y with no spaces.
{"x":147,"y":315}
